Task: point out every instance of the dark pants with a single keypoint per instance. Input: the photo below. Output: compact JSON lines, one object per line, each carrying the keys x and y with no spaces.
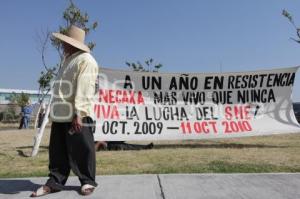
{"x":21,"y":123}
{"x":26,"y":120}
{"x":74,"y":152}
{"x":40,"y":119}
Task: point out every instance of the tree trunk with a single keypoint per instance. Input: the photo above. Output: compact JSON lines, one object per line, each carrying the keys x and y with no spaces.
{"x":37,"y":117}
{"x":40,"y":132}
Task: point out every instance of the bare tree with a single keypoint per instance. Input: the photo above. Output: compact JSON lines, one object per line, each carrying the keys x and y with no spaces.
{"x":148,"y":66}
{"x":286,"y":14}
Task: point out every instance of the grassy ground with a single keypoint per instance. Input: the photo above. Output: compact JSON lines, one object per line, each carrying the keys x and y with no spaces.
{"x":278,"y":153}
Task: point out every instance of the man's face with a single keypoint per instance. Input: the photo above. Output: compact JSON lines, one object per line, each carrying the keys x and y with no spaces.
{"x":67,"y":48}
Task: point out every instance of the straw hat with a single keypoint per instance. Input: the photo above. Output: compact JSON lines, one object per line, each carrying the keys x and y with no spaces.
{"x":75,"y":37}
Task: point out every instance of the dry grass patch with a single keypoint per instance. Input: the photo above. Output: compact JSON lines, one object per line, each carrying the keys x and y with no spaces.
{"x":278,"y":153}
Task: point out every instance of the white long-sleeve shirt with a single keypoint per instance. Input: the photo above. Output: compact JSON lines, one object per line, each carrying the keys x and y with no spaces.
{"x":74,"y":88}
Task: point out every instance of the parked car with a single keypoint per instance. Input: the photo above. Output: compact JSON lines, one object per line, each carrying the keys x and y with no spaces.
{"x":296,"y":107}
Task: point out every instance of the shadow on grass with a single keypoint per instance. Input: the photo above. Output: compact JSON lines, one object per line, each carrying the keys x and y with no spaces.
{"x":216,"y":146}
{"x":174,"y":146}
{"x":17,"y":185}
{"x":29,"y":147}
{"x":21,"y":153}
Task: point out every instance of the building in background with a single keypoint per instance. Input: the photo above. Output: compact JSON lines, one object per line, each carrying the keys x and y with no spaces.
{"x":12,"y":110}
{"x":5,"y":95}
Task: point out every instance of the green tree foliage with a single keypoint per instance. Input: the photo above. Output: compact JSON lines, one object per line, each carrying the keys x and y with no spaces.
{"x":10,"y":113}
{"x":20,"y":99}
{"x":72,"y":15}
{"x":45,"y":79}
{"x":148,"y":66}
{"x":286,"y":14}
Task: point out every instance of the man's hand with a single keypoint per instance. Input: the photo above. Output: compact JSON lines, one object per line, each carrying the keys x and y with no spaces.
{"x":76,"y":124}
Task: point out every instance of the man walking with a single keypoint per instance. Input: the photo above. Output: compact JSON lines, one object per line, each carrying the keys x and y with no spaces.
{"x":25,"y":115}
{"x":71,"y":140}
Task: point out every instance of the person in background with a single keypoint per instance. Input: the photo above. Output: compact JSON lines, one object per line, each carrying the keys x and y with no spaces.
{"x":22,"y":118}
{"x":26,"y":112}
{"x":41,"y":115}
{"x":120,"y":145}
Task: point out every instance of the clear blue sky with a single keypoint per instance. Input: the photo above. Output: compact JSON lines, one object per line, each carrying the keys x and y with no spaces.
{"x":185,"y":36}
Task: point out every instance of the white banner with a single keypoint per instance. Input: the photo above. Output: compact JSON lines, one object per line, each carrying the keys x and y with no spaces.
{"x":167,"y":106}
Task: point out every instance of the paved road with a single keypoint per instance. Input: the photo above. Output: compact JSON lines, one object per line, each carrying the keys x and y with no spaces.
{"x":171,"y":186}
